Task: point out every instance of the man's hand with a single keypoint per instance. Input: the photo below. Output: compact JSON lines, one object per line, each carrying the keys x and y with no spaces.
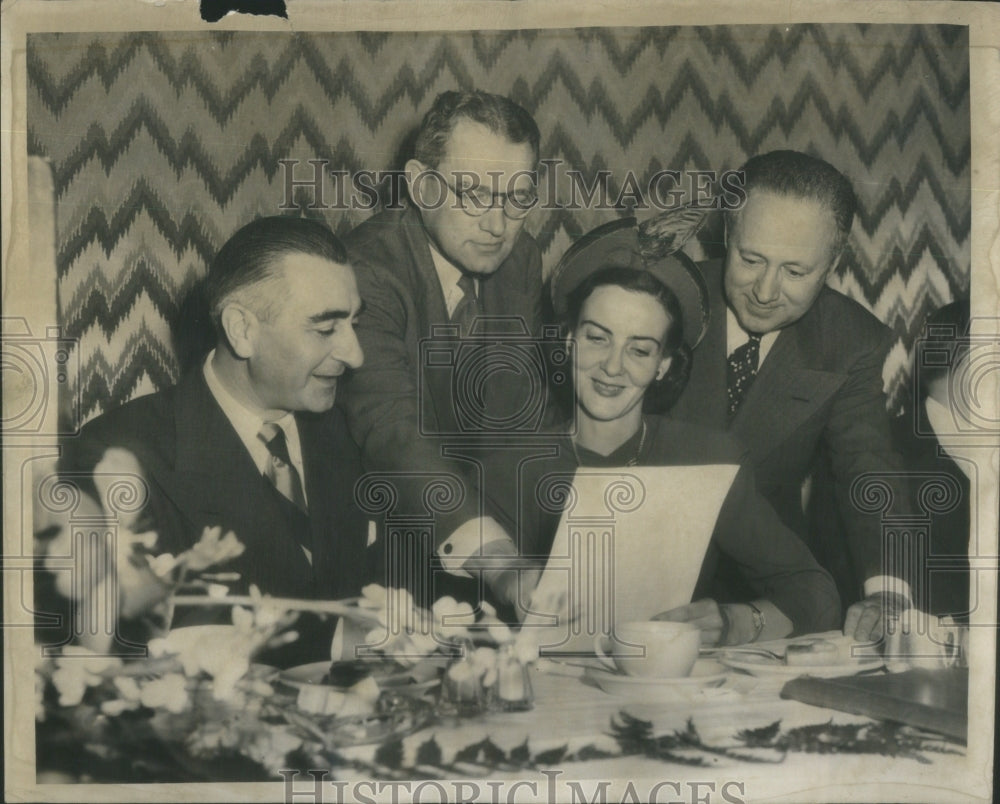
{"x":705,"y":614}
{"x":499,"y":563}
{"x":866,"y":619}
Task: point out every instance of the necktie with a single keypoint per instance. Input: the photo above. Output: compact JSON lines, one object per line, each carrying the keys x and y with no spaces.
{"x":741,"y":370}
{"x":279,"y":469}
{"x":468,"y":306}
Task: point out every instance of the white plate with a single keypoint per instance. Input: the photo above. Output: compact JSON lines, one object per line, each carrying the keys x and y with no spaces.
{"x":387,"y":678}
{"x":705,"y":673}
{"x":846,"y":663}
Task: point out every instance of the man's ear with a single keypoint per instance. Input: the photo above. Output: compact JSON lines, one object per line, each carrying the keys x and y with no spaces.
{"x":240,"y":325}
{"x":411,"y":170}
{"x":664,"y":367}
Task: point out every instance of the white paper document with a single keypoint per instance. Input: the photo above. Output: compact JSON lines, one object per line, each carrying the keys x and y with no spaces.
{"x":630,"y":544}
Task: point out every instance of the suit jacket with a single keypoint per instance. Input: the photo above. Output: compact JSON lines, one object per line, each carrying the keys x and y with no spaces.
{"x":819,"y":388}
{"x":385,"y":399}
{"x":200,"y":474}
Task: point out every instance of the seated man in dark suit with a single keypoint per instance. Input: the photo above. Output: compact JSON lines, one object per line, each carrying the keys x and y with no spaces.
{"x":250,"y":440}
{"x":793,"y":368}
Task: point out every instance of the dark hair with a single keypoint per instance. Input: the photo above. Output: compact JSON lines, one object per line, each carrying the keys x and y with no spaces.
{"x":662,"y":394}
{"x":498,"y":113}
{"x":796,"y":174}
{"x":249,"y":256}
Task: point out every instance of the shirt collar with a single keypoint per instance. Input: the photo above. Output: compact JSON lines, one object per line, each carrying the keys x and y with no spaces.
{"x":448,"y":275}
{"x":247,"y":421}
{"x":736,"y":336}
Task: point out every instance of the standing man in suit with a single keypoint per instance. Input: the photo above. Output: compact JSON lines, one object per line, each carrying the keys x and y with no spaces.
{"x":250,"y":440}
{"x":456,"y":250}
{"x":792,"y":367}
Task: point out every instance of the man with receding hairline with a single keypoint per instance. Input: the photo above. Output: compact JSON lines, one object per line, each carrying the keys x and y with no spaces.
{"x":250,"y":439}
{"x":793,"y":368}
{"x":457,"y":250}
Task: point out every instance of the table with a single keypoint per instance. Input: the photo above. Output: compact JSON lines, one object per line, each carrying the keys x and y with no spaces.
{"x":571,"y":717}
{"x":582,"y":744}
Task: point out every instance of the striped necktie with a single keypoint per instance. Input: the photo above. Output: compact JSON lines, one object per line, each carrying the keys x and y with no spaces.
{"x":279,"y":469}
{"x":467,"y":308}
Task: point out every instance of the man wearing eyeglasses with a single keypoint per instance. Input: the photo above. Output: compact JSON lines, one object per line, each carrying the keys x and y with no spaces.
{"x":456,"y":251}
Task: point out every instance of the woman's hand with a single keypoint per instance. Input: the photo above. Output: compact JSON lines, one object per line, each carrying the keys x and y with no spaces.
{"x":705,"y":614}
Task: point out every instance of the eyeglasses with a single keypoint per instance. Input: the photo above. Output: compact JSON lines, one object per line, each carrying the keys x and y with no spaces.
{"x":478,"y":200}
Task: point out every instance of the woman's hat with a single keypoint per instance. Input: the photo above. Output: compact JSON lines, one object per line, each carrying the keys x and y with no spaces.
{"x":652,"y":246}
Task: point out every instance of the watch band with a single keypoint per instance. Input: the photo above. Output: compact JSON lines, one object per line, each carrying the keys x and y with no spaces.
{"x":758,"y":622}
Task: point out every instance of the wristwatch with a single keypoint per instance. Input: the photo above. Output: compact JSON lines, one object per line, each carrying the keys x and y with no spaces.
{"x":758,"y":622}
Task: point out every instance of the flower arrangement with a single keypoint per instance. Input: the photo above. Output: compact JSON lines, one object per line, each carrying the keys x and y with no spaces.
{"x":483,"y":670}
{"x":196,"y":691}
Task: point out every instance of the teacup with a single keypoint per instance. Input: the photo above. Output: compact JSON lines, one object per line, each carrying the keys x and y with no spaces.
{"x":650,"y":648}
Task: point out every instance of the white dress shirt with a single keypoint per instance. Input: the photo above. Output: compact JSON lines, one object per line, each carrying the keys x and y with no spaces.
{"x":448,"y":275}
{"x":736,"y":336}
{"x":247,"y":423}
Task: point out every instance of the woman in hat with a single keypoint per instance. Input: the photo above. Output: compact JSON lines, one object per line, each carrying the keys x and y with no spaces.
{"x":635,"y":311}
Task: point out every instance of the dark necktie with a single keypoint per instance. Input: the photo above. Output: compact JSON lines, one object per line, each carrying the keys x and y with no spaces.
{"x":741,"y":370}
{"x":279,"y":469}
{"x":468,"y":306}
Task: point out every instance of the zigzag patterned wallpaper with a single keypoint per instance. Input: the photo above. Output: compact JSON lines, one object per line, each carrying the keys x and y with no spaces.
{"x":163,"y":144}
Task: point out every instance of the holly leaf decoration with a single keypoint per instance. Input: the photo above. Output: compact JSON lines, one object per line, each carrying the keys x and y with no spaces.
{"x":429,"y":753}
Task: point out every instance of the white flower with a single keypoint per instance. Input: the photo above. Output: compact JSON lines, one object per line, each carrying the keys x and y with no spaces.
{"x":78,"y":669}
{"x":70,"y":684}
{"x":271,"y":747}
{"x":212,"y":548}
{"x":163,"y":564}
{"x":130,"y":696}
{"x":169,"y":692}
{"x":265,"y":615}
{"x":127,"y":688}
{"x":373,"y":596}
{"x":484,"y":660}
{"x":116,"y":707}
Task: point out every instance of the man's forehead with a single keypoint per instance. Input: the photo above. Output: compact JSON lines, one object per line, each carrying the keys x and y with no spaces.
{"x":316,"y":278}
{"x":292,"y":263}
{"x":796,"y":215}
{"x":474,"y":146}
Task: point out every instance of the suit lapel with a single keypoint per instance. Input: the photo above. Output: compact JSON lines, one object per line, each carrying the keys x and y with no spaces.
{"x":429,"y":297}
{"x":206,"y":444}
{"x":788,"y":390}
{"x":219,"y":483}
{"x":430,"y":309}
{"x":332,"y":467}
{"x":324,"y":491}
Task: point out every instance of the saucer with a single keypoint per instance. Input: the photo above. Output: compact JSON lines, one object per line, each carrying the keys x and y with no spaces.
{"x":845,"y":663}
{"x":393,"y":678}
{"x":706,"y":673}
